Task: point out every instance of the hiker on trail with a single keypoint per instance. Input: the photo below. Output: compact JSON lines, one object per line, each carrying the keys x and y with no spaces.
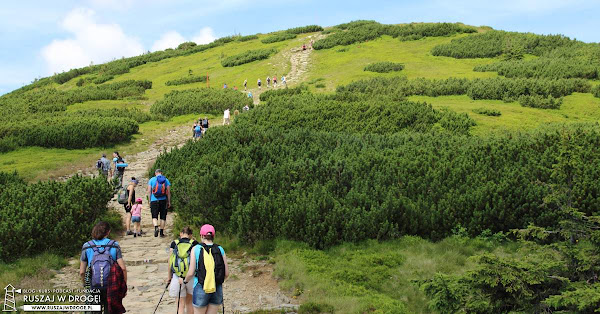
{"x":246,"y":108}
{"x":179,"y":263}
{"x":119,"y":170}
{"x":226,"y":117}
{"x":159,"y":189}
{"x":249,"y":94}
{"x":245,"y":84}
{"x":274,"y":81}
{"x":311,"y":44}
{"x":103,"y":165}
{"x":284,"y":81}
{"x":208,"y":271}
{"x":197,"y":131}
{"x":194,"y":129}
{"x":224,"y":85}
{"x":102,"y":267}
{"x":204,"y":124}
{"x":130,"y":199}
{"x":259,"y":83}
{"x":268,"y":81}
{"x":304,"y":47}
{"x":136,"y":217}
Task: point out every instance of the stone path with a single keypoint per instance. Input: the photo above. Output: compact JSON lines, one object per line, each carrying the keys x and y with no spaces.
{"x":251,"y":285}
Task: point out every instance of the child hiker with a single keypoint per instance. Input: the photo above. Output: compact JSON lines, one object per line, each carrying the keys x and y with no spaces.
{"x":136,"y":217}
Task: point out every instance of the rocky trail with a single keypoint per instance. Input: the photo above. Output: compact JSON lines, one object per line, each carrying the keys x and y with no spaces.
{"x":300,"y":61}
{"x":251,"y":285}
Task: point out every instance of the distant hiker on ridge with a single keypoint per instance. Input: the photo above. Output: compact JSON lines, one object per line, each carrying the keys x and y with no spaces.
{"x":245,"y":84}
{"x":268,"y":81}
{"x":159,"y":189}
{"x":204,"y":124}
{"x":274,"y":81}
{"x":226,"y":117}
{"x":259,"y":83}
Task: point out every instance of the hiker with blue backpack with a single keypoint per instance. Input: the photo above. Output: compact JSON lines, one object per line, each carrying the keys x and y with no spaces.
{"x":208,"y":270}
{"x":179,"y":262}
{"x":197,"y":131}
{"x":120,"y":166}
{"x":159,"y":189}
{"x":102,"y":268}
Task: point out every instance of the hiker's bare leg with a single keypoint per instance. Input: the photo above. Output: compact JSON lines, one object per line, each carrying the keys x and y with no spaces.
{"x":162,"y":224}
{"x":189,"y":299}
{"x":155,"y":222}
{"x":212,"y":309}
{"x":181,"y":309}
{"x":128,"y":222}
{"x":200,"y":310}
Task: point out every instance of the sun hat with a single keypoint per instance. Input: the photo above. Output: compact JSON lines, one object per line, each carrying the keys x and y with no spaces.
{"x":206,"y":229}
{"x":138,"y":200}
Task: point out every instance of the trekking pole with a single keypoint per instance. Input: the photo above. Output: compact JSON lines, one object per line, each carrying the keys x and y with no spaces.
{"x":161,"y":297}
{"x":178,"y":299}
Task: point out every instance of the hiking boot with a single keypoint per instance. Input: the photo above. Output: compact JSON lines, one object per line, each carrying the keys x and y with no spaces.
{"x":155,"y":232}
{"x":162,"y":233}
{"x":129,"y":232}
{"x":135,"y":235}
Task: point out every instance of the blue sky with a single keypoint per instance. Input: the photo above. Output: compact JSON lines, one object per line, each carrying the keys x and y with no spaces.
{"x":39,"y":38}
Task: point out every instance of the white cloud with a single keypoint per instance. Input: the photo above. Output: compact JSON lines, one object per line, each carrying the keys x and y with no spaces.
{"x":205,"y":36}
{"x":170,"y":39}
{"x":91,"y":42}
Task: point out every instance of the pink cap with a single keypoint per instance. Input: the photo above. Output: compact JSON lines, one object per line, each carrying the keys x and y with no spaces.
{"x":138,"y":200}
{"x":206,"y":229}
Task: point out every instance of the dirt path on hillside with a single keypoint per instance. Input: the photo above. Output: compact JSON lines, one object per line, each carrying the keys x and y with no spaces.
{"x":250,"y":287}
{"x":300,"y":61}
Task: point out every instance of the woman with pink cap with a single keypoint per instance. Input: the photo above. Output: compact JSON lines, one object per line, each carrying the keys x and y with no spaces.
{"x":136,"y":217}
{"x":212,"y":271}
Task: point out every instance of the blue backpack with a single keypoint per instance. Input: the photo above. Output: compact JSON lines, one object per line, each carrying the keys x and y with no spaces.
{"x":160,"y":187}
{"x":198,"y":129}
{"x":101,"y":263}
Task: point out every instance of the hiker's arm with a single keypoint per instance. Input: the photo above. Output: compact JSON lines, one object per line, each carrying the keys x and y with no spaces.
{"x":226,"y":266}
{"x":82,"y":267}
{"x":192,"y":270}
{"x":169,"y":196}
{"x":121,"y":263}
{"x":149,"y":193}
{"x":170,"y":270}
{"x":130,"y":195}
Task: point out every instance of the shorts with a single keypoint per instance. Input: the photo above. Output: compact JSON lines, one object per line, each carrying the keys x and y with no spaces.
{"x":136,"y":219}
{"x":174,"y":287}
{"x":202,"y":299}
{"x":127,"y":208}
{"x":159,"y":207}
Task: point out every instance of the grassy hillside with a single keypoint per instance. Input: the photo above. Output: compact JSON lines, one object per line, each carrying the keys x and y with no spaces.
{"x":327,"y":69}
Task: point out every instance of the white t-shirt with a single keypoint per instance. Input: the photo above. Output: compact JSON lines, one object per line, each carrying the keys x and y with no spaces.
{"x":226,"y":114}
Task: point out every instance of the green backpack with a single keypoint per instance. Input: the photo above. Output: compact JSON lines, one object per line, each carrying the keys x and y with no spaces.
{"x":180,"y":259}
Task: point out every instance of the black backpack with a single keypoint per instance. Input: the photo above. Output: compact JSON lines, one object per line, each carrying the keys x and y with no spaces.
{"x":120,"y":161}
{"x":219,"y":264}
{"x":99,"y":164}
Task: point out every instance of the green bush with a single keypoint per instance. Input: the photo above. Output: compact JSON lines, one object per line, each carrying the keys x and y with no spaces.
{"x":49,"y":216}
{"x":367,"y":115}
{"x":70,"y":132}
{"x":247,"y":57}
{"x":384,"y":67}
{"x":304,"y":29}
{"x":537,"y":101}
{"x":247,"y":38}
{"x":103,"y":78}
{"x":277,"y":37}
{"x":187,"y":45}
{"x":544,"y":68}
{"x":596,"y":91}
{"x":488,"y":112}
{"x":187,"y":80}
{"x":361,"y":31}
{"x":315,"y":308}
{"x":493,"y":43}
{"x":199,"y":101}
